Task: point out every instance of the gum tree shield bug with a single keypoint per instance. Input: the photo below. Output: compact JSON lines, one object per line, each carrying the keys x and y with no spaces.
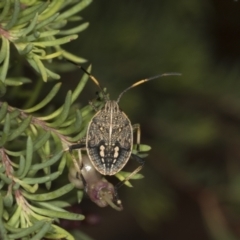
{"x":109,"y":138}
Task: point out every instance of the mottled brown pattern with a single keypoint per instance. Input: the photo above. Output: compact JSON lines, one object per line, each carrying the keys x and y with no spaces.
{"x":109,"y":139}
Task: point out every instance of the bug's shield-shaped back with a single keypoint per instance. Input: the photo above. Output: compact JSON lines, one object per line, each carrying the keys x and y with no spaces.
{"x":109,"y":139}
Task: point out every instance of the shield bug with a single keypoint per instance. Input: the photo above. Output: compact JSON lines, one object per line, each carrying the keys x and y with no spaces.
{"x":109,"y":138}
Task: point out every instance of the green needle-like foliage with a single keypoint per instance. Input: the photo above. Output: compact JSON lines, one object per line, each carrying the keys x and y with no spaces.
{"x":35,"y":29}
{"x":34,"y":139}
{"x":32,"y":150}
{"x":38,"y":159}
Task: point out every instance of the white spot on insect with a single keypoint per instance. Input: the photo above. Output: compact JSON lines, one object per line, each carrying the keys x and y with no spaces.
{"x":116,"y":152}
{"x":102,"y":159}
{"x":102,"y":148}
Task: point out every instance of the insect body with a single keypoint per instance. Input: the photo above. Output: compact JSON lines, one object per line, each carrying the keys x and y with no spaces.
{"x":109,"y":139}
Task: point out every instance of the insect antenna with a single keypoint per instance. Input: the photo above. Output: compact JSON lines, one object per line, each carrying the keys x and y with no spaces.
{"x":90,"y":76}
{"x":146,"y":80}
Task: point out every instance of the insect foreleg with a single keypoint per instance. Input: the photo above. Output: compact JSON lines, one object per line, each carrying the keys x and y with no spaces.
{"x":76,"y":146}
{"x":93,"y":106}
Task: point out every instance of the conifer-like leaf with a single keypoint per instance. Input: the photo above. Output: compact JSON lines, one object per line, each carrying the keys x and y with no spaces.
{"x":46,"y":100}
{"x":33,"y":31}
{"x":27,"y":231}
{"x":17,"y":81}
{"x":64,"y":113}
{"x":77,"y":91}
{"x":50,"y":195}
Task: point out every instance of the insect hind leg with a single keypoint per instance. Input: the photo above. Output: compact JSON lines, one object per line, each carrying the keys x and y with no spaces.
{"x":119,"y":184}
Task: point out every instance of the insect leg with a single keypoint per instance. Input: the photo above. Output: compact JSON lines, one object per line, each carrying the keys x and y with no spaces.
{"x":136,"y":127}
{"x":76,"y":146}
{"x":118,"y":185}
{"x":78,"y":165}
{"x":93,"y":106}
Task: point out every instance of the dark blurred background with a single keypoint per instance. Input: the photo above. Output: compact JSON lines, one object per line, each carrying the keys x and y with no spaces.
{"x":191,"y":188}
